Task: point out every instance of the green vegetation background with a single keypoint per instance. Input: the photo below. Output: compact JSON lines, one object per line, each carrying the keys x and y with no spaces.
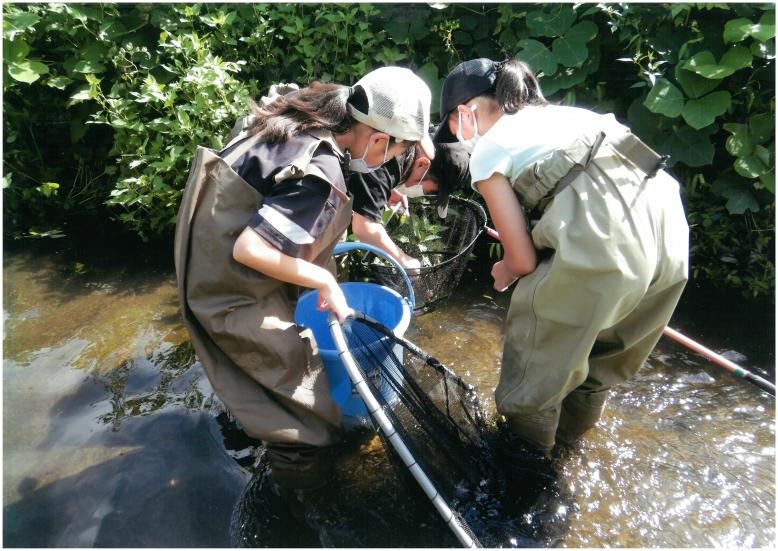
{"x":104,"y":104}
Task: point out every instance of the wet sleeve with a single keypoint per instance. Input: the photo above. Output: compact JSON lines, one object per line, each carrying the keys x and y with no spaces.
{"x":371,"y":191}
{"x":488,"y":158}
{"x":294,"y":213}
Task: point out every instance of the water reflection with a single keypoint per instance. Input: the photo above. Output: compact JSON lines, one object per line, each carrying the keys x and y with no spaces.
{"x":112,"y":435}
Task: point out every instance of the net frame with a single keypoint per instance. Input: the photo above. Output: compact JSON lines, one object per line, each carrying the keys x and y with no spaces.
{"x":428,"y":430}
{"x":465,"y":221}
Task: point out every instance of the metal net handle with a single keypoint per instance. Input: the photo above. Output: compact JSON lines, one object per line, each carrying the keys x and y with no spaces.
{"x":454,"y":522}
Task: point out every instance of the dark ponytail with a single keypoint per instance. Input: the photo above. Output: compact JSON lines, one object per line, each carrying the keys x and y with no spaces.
{"x":320,"y":106}
{"x":516,"y":86}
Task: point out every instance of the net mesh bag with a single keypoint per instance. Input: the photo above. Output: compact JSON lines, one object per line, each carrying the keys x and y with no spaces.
{"x":443,"y":246}
{"x":440,"y":419}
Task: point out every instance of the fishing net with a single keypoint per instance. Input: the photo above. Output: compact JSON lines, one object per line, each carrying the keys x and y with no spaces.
{"x":439,"y":418}
{"x":443,"y":246}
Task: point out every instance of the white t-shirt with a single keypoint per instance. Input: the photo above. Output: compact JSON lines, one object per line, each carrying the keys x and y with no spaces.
{"x":518,"y":140}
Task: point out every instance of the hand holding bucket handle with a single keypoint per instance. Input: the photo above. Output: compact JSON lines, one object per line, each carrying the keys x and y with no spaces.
{"x":341,"y":248}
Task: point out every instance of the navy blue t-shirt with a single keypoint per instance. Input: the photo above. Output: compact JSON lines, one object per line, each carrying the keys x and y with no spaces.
{"x":295,"y":212}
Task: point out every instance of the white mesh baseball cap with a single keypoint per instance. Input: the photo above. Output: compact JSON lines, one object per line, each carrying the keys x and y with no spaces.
{"x":398,"y":103}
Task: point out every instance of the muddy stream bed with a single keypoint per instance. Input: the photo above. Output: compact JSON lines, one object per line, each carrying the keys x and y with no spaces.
{"x":112,"y":436}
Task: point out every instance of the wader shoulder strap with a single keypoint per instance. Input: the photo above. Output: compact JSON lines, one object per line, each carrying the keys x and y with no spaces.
{"x":239,"y":130}
{"x":627,"y":145}
{"x":639,"y":154}
{"x":581,"y":166}
{"x":239,"y":151}
{"x":302,"y":166}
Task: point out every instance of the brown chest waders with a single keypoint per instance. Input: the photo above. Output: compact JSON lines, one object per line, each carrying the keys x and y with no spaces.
{"x":264,"y":368}
{"x":616,"y":243}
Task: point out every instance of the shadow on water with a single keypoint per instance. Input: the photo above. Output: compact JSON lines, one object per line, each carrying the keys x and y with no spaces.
{"x":113,"y":437}
{"x":173,"y":488}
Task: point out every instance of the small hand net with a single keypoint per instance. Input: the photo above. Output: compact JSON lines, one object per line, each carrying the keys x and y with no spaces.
{"x":439,"y":418}
{"x":443,"y":246}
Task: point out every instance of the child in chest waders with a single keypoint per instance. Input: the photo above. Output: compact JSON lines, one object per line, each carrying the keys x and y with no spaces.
{"x":611,"y":237}
{"x":260,"y":219}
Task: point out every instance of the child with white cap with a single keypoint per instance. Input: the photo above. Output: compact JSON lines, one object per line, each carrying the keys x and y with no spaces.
{"x":260,"y":218}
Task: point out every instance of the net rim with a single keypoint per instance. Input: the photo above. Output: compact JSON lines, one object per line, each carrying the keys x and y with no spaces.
{"x":481,"y":217}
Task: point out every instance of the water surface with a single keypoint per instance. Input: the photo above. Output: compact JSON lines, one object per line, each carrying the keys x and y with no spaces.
{"x":112,"y":435}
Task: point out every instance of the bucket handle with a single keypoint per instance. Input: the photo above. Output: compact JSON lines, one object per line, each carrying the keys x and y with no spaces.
{"x":341,"y":248}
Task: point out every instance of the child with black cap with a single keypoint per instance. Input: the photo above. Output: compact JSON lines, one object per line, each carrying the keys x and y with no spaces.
{"x":612,"y":229}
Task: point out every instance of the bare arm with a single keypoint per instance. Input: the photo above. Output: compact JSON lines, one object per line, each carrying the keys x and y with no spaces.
{"x":252,"y":250}
{"x":373,"y":233}
{"x":520,"y":257}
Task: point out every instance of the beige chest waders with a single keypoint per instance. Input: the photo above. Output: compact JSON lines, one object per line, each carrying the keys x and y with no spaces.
{"x":264,"y":368}
{"x":592,"y":311}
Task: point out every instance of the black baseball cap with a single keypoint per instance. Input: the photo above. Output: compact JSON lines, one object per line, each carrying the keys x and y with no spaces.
{"x":467,"y":80}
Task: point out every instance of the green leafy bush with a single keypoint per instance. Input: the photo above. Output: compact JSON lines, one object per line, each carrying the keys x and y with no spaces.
{"x":104,"y":104}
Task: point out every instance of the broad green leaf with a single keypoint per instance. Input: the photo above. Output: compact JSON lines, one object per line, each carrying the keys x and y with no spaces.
{"x":570,"y":49}
{"x":562,"y":80}
{"x":183,"y":118}
{"x":763,"y":154}
{"x":27,"y":71}
{"x":60,"y":82}
{"x":764,"y":50}
{"x":429,"y":74}
{"x":691,"y":147}
{"x":553,"y":21}
{"x":750,"y":166}
{"x":704,"y":64}
{"x":699,"y":113}
{"x":642,"y":122}
{"x":762,"y":126}
{"x":765,"y":29}
{"x":7,"y":177}
{"x":112,"y":29}
{"x":739,"y":201}
{"x":736,"y":58}
{"x":768,"y":180}
{"x":693,"y":84}
{"x":15,"y":50}
{"x":737,"y":30}
{"x":48,"y":189}
{"x":91,"y":60}
{"x":740,"y":142}
{"x":665,"y":99}
{"x":84,"y":13}
{"x":79,"y":96}
{"x":19,"y":21}
{"x":537,"y":56}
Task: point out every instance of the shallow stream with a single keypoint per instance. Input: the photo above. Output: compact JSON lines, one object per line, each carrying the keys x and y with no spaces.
{"x":112,"y":435}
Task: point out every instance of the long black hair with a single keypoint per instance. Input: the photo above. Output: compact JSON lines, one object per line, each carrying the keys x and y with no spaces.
{"x":516,"y":86}
{"x":320,"y":106}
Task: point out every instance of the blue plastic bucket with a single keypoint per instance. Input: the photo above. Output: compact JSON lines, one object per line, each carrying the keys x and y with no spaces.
{"x":380,"y":303}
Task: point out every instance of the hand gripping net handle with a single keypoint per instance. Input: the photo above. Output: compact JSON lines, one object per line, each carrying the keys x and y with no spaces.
{"x":358,"y":380}
{"x":345,"y":247}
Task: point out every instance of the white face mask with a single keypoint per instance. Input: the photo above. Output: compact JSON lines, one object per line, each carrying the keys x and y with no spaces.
{"x":360,"y":165}
{"x":469,"y":145}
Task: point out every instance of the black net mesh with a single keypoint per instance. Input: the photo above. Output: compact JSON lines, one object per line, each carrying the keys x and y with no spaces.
{"x":443,"y":246}
{"x":439,"y":418}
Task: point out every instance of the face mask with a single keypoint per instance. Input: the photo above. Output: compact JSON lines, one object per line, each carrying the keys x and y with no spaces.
{"x":413,"y":190}
{"x":360,"y":165}
{"x":468,"y":145}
